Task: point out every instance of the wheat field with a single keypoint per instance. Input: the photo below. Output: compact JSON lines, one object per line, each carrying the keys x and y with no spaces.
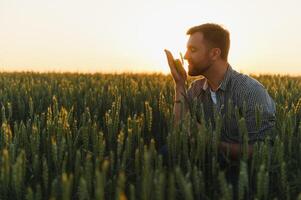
{"x":98,"y":136}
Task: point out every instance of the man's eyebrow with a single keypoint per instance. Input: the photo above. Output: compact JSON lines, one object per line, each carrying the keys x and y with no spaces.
{"x":191,"y":46}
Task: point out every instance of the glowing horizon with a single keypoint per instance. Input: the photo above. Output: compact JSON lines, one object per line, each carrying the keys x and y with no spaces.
{"x":130,"y":35}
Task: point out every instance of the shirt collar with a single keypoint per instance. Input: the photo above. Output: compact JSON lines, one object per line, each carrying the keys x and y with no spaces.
{"x":224,"y":82}
{"x":226,"y":79}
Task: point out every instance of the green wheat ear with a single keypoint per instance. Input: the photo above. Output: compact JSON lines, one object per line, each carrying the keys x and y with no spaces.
{"x":182,"y":58}
{"x":178,"y":64}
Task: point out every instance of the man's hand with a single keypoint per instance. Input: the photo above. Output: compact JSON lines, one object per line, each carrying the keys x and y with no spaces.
{"x":234,"y":150}
{"x":177,"y":70}
{"x":179,"y":75}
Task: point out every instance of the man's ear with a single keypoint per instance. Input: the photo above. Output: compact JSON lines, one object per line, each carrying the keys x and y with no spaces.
{"x":215,"y":53}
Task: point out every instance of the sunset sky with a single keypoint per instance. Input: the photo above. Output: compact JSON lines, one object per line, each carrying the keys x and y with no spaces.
{"x":130,"y":35}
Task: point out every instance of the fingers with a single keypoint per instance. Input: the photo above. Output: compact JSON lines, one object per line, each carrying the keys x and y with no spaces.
{"x":180,"y":69}
{"x":171,"y":63}
{"x":176,"y":67}
{"x":169,"y":57}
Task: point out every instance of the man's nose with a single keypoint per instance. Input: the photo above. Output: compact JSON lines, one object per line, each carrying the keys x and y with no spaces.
{"x":186,"y":55}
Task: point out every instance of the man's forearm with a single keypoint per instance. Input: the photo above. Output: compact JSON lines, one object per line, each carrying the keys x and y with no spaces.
{"x":233,"y":150}
{"x":179,"y":103}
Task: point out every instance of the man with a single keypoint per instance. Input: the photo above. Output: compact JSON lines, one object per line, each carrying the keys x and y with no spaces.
{"x":221,"y":88}
{"x":207,"y":55}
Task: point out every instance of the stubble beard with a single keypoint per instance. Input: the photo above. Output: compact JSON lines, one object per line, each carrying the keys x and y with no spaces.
{"x":200,"y":69}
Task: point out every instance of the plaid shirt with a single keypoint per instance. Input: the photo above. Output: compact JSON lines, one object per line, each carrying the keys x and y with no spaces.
{"x":238,"y":96}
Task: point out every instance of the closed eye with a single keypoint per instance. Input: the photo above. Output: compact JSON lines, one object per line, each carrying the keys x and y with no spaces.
{"x":191,"y":48}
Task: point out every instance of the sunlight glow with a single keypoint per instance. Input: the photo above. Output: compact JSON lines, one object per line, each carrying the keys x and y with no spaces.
{"x":130,"y":35}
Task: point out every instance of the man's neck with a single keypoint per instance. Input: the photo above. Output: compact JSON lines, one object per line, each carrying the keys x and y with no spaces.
{"x":215,"y":75}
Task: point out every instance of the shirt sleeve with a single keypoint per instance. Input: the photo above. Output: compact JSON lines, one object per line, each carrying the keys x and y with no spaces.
{"x":260,"y":114}
{"x":195,"y":89}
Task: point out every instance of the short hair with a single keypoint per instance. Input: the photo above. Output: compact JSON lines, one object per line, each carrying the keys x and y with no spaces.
{"x":215,"y":35}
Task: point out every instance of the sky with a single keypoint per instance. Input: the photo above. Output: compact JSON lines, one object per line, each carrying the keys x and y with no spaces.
{"x":131,"y":35}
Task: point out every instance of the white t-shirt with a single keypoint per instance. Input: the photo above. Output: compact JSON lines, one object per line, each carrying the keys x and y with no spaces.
{"x":213,"y":96}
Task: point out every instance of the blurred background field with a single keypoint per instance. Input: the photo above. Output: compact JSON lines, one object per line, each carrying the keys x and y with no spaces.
{"x":96,"y":136}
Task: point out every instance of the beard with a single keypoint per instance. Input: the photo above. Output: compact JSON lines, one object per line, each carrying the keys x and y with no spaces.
{"x":196,"y":69}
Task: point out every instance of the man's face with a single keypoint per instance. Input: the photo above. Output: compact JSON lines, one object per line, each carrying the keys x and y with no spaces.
{"x":197,"y":55}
